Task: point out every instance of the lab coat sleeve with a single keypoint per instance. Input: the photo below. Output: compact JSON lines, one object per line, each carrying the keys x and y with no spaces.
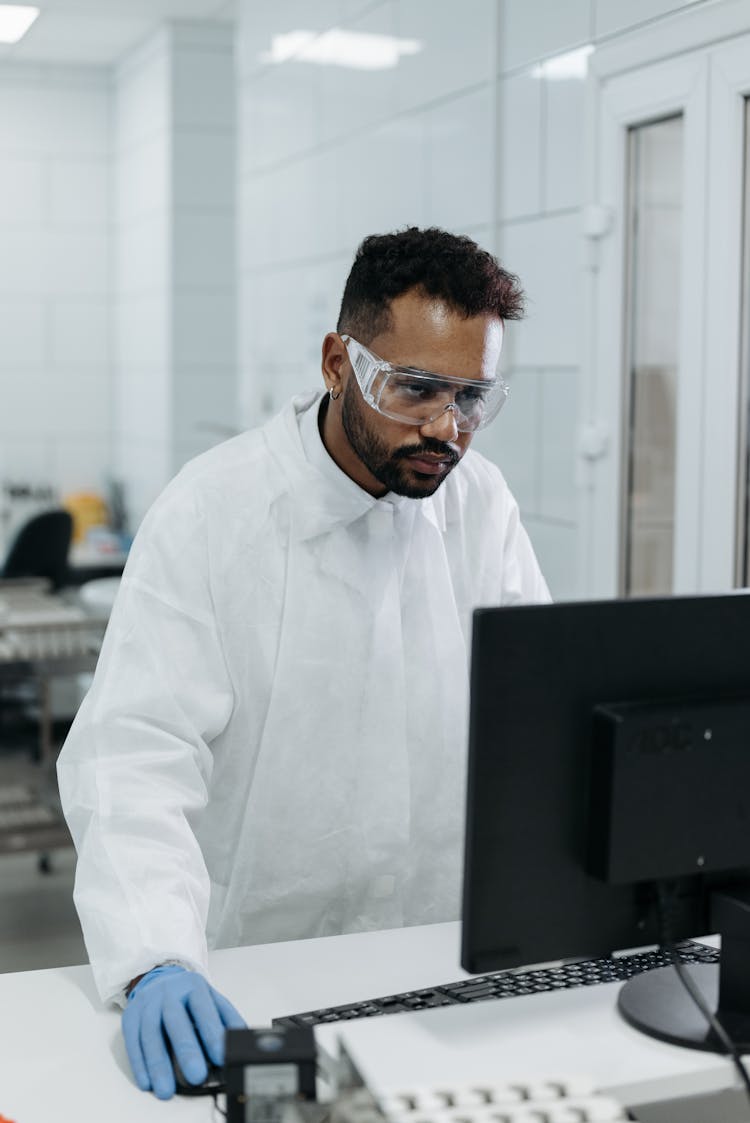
{"x":135,"y":771}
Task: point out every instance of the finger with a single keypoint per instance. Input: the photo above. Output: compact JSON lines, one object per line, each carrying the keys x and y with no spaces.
{"x":131,"y":1027}
{"x":230,"y":1016}
{"x":158,"y":1063}
{"x":186,"y":1047}
{"x":208,"y":1023}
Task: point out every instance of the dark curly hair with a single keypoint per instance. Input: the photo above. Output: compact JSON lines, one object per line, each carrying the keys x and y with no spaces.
{"x":449,"y":266}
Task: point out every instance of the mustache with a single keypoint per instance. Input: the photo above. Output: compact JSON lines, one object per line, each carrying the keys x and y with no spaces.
{"x":431,"y":446}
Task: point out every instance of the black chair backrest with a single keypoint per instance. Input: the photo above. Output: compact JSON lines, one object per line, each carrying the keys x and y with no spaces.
{"x":41,"y":548}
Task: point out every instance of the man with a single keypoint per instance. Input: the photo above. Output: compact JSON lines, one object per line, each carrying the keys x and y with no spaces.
{"x":273,"y":746}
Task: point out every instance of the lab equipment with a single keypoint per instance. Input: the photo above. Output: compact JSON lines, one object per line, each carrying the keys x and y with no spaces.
{"x":245,"y":667}
{"x":608,"y":795}
{"x":266,"y":1069}
{"x":171,"y":1001}
{"x":507,"y":984}
{"x":44,"y":640}
{"x":418,"y":397}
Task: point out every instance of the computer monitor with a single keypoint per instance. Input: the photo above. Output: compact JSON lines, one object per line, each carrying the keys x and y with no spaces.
{"x":609,"y":751}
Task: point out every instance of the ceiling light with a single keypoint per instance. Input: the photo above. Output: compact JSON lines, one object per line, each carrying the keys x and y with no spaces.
{"x":572,"y":64}
{"x":15,"y":21}
{"x":359,"y":50}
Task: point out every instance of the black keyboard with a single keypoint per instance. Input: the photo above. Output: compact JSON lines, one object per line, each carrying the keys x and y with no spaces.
{"x":508,"y":984}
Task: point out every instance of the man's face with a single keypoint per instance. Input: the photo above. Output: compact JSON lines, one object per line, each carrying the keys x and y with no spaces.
{"x":385,"y":455}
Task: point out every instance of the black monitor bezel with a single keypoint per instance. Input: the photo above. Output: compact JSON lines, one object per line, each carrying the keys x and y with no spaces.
{"x":537,"y":673}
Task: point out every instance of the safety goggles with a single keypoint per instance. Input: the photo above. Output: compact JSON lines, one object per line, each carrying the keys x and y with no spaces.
{"x":418,"y":397}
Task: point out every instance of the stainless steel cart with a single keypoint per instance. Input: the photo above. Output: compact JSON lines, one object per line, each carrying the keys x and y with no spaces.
{"x":43,"y":636}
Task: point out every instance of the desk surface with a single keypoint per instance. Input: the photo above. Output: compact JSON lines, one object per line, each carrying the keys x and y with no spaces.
{"x":62,"y":1054}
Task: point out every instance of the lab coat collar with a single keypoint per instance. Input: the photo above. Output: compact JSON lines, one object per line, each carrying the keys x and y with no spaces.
{"x":326,"y":496}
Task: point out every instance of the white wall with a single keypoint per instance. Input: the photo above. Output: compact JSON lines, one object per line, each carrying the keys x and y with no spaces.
{"x":55,"y":259}
{"x":466,"y":134}
{"x":175,"y":274}
{"x":142,"y":272}
{"x":204,"y":236}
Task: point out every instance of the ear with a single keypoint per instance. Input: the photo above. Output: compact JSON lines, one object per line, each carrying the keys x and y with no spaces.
{"x":334,"y":361}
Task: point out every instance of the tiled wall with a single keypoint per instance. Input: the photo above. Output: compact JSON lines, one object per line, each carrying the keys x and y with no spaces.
{"x":204,"y":244}
{"x":55,"y":314}
{"x":175,"y":271}
{"x":468,"y":134}
{"x":142,"y":272}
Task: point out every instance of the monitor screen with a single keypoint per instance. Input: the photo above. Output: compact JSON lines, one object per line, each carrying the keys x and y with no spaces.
{"x":609,"y":746}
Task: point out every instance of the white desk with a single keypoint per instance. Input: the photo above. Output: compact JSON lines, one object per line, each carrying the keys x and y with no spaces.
{"x":62,"y":1056}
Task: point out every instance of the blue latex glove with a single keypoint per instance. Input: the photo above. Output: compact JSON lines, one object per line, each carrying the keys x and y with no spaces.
{"x":180,"y":1004}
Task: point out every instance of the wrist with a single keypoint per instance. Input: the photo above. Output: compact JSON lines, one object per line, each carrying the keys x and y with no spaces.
{"x":140,"y":981}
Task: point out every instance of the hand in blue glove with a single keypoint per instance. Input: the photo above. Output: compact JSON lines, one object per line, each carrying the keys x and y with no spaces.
{"x":179,"y":1004}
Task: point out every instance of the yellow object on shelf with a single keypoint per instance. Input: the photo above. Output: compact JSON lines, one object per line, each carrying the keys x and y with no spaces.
{"x":87,"y":509}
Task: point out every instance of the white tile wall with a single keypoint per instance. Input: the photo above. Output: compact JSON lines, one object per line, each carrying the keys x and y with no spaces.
{"x":139,"y":335}
{"x":285,"y":16}
{"x":142,"y":96}
{"x":202,"y":248}
{"x":558,"y":397}
{"x":611,"y":16}
{"x":459,"y":192}
{"x":527,"y":32}
{"x":202,"y":90}
{"x":55,"y":256}
{"x":22,"y":191}
{"x":175,"y":259}
{"x":23,"y":334}
{"x":353,"y":101}
{"x":556,"y":546}
{"x":563,"y":141}
{"x":144,"y":189}
{"x":195,"y":182}
{"x":205,"y":327}
{"x":205,"y":408}
{"x":142,"y":273}
{"x":79,"y":333}
{"x":284,"y":114}
{"x":519,"y":182}
{"x":204,"y":236}
{"x":79,"y":191}
{"x":546,"y":252}
{"x":439,"y":69}
{"x":514,"y":440}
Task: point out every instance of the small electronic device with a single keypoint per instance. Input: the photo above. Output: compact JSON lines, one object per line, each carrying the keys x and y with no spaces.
{"x":265,"y":1070}
{"x":211,"y":1086}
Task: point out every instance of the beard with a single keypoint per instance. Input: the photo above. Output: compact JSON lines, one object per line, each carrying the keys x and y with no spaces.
{"x":389,"y":466}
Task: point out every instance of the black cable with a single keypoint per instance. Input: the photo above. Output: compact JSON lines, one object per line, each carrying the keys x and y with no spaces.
{"x":666,"y":901}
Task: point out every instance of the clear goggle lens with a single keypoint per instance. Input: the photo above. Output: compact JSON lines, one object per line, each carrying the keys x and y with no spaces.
{"x":418,"y":397}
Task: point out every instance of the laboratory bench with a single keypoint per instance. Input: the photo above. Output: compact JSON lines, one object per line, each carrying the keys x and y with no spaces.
{"x":62,"y":1055}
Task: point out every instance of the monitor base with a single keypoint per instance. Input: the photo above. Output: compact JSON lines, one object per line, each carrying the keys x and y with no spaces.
{"x":658,"y":1004}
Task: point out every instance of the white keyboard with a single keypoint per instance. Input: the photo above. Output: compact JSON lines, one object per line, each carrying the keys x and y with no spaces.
{"x":555,"y":1100}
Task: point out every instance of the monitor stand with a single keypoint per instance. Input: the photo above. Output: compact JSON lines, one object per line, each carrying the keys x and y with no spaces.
{"x":658,"y":1004}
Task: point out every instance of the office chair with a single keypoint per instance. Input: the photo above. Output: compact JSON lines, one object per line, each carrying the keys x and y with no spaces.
{"x":41,"y":548}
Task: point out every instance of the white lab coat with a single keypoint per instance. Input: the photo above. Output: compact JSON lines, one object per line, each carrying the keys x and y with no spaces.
{"x":274,"y":743}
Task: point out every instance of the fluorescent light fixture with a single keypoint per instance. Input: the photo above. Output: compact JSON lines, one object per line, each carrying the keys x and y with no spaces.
{"x":359,"y":50}
{"x":573,"y":64}
{"x":15,"y":21}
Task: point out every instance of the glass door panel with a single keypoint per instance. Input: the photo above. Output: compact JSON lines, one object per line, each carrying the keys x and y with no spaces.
{"x":655,"y":156}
